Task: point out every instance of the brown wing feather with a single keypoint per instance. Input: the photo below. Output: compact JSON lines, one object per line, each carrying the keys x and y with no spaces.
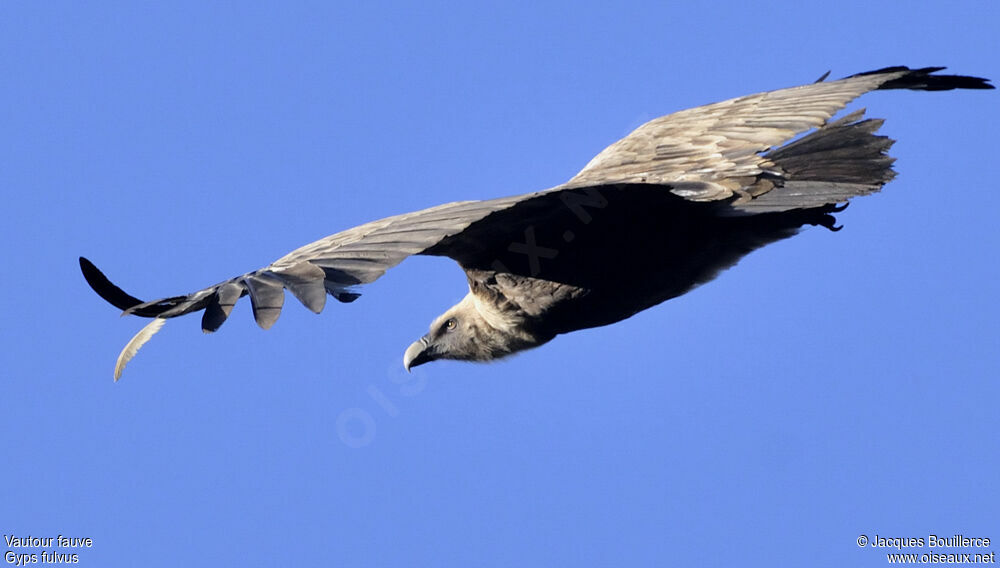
{"x":330,"y":265}
{"x":722,"y":144}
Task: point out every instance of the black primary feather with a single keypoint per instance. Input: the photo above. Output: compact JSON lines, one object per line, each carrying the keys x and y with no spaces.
{"x":112,"y":294}
{"x":923,"y":80}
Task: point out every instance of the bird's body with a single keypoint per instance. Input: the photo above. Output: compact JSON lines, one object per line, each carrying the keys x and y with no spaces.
{"x":657,"y":213}
{"x":640,"y":245}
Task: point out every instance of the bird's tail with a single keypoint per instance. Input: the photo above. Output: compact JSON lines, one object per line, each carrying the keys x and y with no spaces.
{"x":838,"y":161}
{"x":844,"y":158}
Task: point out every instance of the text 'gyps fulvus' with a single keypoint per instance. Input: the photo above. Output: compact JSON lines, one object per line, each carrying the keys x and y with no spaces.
{"x":669,"y":206}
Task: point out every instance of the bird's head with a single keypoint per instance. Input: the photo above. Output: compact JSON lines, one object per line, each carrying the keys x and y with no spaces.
{"x":471,"y":330}
{"x":455,"y":334}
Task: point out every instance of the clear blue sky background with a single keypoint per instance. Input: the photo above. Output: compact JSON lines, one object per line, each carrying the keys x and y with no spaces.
{"x":829,"y":386}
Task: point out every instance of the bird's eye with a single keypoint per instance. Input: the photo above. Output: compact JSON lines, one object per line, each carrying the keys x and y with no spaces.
{"x":450,"y":324}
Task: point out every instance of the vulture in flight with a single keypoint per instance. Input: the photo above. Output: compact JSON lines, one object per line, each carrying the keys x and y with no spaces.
{"x":655,"y":214}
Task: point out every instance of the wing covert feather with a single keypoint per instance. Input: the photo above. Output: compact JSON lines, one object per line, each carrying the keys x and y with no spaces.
{"x":722,"y":140}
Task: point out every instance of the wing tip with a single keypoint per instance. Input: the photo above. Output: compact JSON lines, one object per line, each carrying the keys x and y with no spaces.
{"x":924,"y":79}
{"x":104,"y":288}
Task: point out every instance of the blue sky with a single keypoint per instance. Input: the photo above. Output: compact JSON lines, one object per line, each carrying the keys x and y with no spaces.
{"x":829,"y":386}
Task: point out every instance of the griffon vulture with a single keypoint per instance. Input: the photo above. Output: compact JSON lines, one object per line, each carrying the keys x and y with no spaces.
{"x":655,"y":214}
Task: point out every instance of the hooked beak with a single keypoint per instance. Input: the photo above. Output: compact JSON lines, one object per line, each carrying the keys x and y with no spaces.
{"x":420,"y":352}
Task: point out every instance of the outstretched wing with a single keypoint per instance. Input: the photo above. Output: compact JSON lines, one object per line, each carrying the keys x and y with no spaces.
{"x":332,"y":265}
{"x":724,"y":145}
